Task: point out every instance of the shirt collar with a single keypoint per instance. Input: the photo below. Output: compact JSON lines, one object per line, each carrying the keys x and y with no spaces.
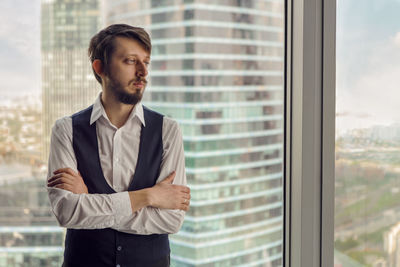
{"x":98,"y":111}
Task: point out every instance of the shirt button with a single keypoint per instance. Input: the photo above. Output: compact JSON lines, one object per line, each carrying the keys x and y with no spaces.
{"x":119,"y":248}
{"x":117,"y":159}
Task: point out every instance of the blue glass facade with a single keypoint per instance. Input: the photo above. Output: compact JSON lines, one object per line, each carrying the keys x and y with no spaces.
{"x":217,"y":67}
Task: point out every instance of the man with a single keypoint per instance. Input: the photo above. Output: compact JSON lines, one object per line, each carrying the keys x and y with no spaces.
{"x":116,"y":169}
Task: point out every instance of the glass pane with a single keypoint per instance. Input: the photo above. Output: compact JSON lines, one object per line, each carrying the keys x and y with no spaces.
{"x":367,"y":188}
{"x":217,"y":68}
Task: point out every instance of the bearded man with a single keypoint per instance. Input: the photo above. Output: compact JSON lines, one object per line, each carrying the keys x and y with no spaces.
{"x":116,"y":176}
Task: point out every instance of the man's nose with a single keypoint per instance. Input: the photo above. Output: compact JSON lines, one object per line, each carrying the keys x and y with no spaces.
{"x":141,"y":70}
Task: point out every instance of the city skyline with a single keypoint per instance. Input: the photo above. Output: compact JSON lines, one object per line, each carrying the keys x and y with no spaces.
{"x":231,"y":124}
{"x":248,"y":196}
{"x":375,"y":49}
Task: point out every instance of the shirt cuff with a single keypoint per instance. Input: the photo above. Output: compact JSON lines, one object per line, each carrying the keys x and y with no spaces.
{"x":121,"y":204}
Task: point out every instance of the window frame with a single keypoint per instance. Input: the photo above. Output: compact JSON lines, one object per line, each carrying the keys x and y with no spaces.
{"x":310,"y":132}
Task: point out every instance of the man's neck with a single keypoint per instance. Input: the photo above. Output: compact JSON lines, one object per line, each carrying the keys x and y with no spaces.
{"x":116,"y":111}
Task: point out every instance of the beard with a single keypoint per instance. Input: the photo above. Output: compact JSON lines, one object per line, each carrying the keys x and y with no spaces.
{"x":126,"y":98}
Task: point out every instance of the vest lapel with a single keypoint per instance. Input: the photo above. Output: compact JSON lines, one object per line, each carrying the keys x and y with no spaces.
{"x":86,"y":149}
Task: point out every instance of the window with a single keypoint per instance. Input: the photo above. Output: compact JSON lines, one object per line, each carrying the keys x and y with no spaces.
{"x":367,"y":188}
{"x":218,"y":69}
{"x":252,"y":86}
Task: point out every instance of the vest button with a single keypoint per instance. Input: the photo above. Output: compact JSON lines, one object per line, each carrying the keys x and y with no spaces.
{"x":119,"y":248}
{"x":118,"y":265}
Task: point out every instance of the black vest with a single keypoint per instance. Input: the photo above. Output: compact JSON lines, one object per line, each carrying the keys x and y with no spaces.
{"x":108,"y":247}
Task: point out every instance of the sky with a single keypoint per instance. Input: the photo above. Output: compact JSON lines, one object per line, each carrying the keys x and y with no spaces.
{"x":19,"y":47}
{"x":368,"y":58}
{"x":367,"y":64}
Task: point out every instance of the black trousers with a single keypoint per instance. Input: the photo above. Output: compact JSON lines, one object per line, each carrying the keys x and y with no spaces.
{"x":164,"y":262}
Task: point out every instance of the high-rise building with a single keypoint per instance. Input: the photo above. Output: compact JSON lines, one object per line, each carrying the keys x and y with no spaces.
{"x":68,"y":83}
{"x":217,"y":67}
{"x":29,"y":235}
{"x":392,"y":245}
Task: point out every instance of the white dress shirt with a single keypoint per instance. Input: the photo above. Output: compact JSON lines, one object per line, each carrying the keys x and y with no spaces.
{"x":118,"y":151}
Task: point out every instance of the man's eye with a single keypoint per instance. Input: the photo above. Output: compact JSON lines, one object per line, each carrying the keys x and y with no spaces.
{"x":131,"y":61}
{"x":147,"y":63}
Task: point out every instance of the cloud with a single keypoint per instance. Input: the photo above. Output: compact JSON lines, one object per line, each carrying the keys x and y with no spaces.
{"x":13,"y":83}
{"x":396,"y":39}
{"x":375,"y":92}
{"x":19,"y":46}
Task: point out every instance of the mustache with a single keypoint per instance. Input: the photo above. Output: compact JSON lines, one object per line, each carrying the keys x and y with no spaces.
{"x":142,"y":80}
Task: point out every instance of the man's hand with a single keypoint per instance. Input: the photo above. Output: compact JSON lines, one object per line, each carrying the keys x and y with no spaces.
{"x":67,"y":179}
{"x":166,"y":195}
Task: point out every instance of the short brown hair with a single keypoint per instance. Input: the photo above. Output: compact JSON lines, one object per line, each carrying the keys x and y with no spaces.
{"x":102,"y":44}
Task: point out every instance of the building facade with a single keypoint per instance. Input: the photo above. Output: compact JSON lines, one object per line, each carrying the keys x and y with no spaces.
{"x":29,"y":234}
{"x":217,"y":67}
{"x":68,"y":84}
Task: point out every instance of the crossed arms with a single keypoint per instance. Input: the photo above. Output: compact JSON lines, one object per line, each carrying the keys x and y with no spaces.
{"x":159,"y":209}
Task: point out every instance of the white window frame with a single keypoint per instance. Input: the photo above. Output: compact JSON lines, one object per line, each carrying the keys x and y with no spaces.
{"x":310,"y":133}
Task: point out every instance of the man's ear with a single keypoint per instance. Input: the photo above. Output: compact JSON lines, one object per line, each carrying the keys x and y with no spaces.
{"x":97,"y":65}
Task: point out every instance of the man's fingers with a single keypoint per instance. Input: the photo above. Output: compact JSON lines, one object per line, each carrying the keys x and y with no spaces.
{"x":57,"y":181}
{"x":66,"y":170}
{"x":54,"y":177}
{"x":186,"y":196}
{"x":64,"y":177}
{"x":60,"y":186}
{"x":64,"y":186}
{"x":169,"y":178}
{"x":60,"y":180}
{"x":183,"y":188}
{"x":184,"y":207}
{"x":186,"y":201}
{"x":186,"y":189}
{"x":63,"y":174}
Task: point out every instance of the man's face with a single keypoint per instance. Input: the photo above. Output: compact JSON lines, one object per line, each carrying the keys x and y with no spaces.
{"x":128,"y":70}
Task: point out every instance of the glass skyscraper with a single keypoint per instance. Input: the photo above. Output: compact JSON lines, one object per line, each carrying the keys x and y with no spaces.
{"x":68,"y":84}
{"x":29,"y":233}
{"x":217,"y":67}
